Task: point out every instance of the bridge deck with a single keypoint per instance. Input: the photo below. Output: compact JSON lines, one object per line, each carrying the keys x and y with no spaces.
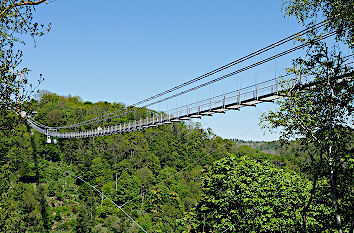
{"x":250,"y":96}
{"x":267,"y":91}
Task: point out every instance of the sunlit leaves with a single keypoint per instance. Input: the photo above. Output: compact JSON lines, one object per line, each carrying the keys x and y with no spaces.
{"x":251,"y":196}
{"x":15,"y":23}
{"x":338,"y":13}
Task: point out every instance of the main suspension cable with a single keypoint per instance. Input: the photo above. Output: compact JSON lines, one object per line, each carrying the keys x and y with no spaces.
{"x":258,"y":52}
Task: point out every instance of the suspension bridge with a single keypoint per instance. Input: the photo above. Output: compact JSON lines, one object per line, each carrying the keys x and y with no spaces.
{"x":251,"y":95}
{"x":237,"y":98}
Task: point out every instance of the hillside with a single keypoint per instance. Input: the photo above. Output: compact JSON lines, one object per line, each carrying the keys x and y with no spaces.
{"x":158,"y":174}
{"x":267,"y":147}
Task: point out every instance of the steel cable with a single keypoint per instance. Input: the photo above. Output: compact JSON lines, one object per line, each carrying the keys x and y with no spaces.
{"x":258,"y":52}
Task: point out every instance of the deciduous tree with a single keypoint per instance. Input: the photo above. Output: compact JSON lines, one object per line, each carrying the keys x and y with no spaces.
{"x":245,"y":195}
{"x":339,"y":15}
{"x":322,"y":115}
{"x":16,"y":21}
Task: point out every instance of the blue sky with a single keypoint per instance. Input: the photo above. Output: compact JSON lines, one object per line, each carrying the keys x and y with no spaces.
{"x":124,"y":51}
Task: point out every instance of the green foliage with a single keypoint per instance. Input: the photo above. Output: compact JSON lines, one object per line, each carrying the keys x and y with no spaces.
{"x":16,"y":20}
{"x":247,"y":191}
{"x":322,"y":117}
{"x":123,"y":167}
{"x":84,"y":222}
{"x":128,"y":187}
{"x":139,"y":167}
{"x":338,"y":13}
{"x":249,"y":196}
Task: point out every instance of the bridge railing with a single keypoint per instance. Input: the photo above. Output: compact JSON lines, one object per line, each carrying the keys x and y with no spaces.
{"x":249,"y":96}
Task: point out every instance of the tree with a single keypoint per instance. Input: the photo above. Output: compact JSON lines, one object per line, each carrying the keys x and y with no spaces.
{"x":16,"y":20}
{"x":322,"y":115}
{"x":339,"y":15}
{"x":83,"y":222}
{"x":246,"y":195}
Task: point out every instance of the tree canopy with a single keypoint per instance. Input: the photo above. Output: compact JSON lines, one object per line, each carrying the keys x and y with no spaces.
{"x":245,"y":195}
{"x":339,"y":15}
{"x":16,"y":21}
{"x":322,"y":115}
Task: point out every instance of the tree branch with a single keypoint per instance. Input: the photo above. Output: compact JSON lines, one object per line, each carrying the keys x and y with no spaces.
{"x":29,"y":3}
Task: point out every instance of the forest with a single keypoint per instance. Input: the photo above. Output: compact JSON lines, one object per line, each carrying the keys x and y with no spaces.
{"x":175,"y":178}
{"x":181,"y":177}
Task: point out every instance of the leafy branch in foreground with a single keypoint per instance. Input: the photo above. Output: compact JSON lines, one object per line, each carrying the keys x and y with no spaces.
{"x":339,"y":15}
{"x":16,"y":20}
{"x":245,"y":195}
{"x":322,"y":115}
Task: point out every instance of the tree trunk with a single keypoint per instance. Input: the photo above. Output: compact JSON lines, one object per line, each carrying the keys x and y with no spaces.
{"x":101,"y":199}
{"x":335,"y":204}
{"x":116,"y":182}
{"x":204,"y":224}
{"x":333,"y":193}
{"x":306,"y":208}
